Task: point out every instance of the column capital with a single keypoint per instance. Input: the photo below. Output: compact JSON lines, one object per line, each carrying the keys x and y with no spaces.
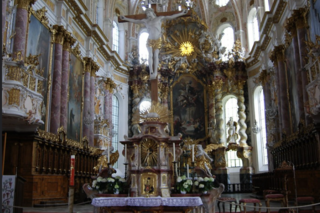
{"x":58,"y":34}
{"x":277,"y":54}
{"x":24,"y":4}
{"x":291,"y":27}
{"x":94,"y":68}
{"x":264,"y":77}
{"x":68,"y":41}
{"x":87,"y":64}
{"x":300,"y":17}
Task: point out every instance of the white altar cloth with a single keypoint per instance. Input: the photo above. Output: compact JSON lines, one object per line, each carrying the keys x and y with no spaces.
{"x":147,"y":202}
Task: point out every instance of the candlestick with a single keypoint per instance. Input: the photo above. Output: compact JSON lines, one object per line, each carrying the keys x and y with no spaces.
{"x":109,"y":154}
{"x":187,"y":170}
{"x":174,"y":151}
{"x":192,"y":152}
{"x":125,"y":153}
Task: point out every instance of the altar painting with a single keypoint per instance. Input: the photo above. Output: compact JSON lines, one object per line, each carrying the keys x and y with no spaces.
{"x":75,"y":97}
{"x":39,"y":43}
{"x":188,"y":107}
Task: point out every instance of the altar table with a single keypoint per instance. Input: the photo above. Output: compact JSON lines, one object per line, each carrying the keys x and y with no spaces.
{"x":142,"y":204}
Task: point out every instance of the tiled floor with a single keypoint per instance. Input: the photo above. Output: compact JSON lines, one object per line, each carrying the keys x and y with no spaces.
{"x":87,"y":208}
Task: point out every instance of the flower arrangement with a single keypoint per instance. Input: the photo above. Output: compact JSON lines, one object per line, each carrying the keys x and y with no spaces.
{"x":184,"y":184}
{"x":109,"y":185}
{"x":204,"y":184}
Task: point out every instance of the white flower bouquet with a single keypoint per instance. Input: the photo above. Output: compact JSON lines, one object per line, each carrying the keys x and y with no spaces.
{"x":184,"y":184}
{"x":109,"y":185}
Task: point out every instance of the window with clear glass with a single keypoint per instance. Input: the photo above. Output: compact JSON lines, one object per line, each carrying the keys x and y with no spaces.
{"x":261,"y":122}
{"x":143,"y":51}
{"x":115,"y":37}
{"x":227,"y":40}
{"x":115,"y":123}
{"x":266,"y":5}
{"x":253,"y":27}
{"x":231,"y":110}
{"x":222,"y":3}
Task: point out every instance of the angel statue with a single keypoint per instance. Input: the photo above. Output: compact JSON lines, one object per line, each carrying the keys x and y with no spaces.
{"x":103,"y":159}
{"x":232,"y":131}
{"x":203,"y":160}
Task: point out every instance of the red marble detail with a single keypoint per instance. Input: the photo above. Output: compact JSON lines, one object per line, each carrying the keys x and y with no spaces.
{"x":19,"y":43}
{"x":56,"y":90}
{"x":64,"y":89}
{"x":305,"y":199}
{"x":86,"y":107}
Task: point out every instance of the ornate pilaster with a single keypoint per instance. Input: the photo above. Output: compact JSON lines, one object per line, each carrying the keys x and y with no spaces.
{"x":68,"y":42}
{"x":94,"y":69}
{"x":58,"y":38}
{"x":301,"y":20}
{"x":219,"y":114}
{"x":246,"y":171}
{"x":21,"y":26}
{"x":87,"y":117}
{"x":109,"y":87}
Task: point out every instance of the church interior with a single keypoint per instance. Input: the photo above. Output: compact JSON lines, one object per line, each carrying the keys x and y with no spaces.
{"x":160,"y":92}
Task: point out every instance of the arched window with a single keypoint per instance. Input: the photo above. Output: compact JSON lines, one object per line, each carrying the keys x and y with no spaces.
{"x":222,"y":3}
{"x":115,"y":123}
{"x":143,"y":51}
{"x":253,"y":27}
{"x":231,"y":110}
{"x":115,"y":37}
{"x":261,"y":136}
{"x":266,"y":5}
{"x":227,"y":40}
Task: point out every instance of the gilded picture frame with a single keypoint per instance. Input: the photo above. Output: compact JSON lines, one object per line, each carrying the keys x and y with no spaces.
{"x":188,"y":105}
{"x":38,"y":30}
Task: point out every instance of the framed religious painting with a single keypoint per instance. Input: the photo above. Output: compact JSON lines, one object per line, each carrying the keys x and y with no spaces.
{"x":75,"y":94}
{"x":188,"y":107}
{"x":39,"y":43}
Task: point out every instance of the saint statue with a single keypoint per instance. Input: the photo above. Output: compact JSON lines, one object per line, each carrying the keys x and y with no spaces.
{"x":232,"y":131}
{"x":153,"y":25}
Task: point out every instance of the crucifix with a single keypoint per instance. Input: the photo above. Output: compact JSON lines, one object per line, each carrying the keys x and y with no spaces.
{"x":153,"y":20}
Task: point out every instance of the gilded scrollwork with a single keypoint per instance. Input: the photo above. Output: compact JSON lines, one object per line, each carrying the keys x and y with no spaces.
{"x":14,"y":97}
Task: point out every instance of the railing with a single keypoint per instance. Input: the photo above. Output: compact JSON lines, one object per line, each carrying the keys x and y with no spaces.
{"x":238,"y":188}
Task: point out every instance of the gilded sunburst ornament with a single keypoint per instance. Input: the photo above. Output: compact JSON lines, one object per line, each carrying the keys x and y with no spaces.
{"x":186,"y":48}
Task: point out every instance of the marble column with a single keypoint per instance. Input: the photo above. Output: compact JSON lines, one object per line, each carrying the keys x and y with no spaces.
{"x":4,"y":14}
{"x":86,"y":107}
{"x":58,"y":39}
{"x":283,"y":88}
{"x":219,"y":114}
{"x":242,"y":114}
{"x":300,"y":88}
{"x":268,"y":103}
{"x":301,"y":21}
{"x":94,"y":68}
{"x":68,"y":42}
{"x":21,"y":25}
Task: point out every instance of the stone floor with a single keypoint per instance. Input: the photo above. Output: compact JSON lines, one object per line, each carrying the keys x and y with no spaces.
{"x":87,"y":208}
